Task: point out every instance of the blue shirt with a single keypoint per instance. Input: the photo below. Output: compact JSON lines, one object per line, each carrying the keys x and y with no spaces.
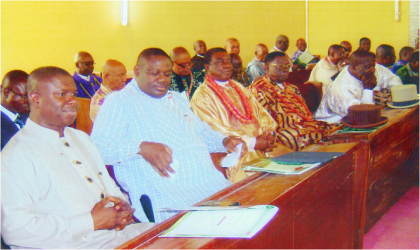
{"x":398,"y":65}
{"x":129,"y":117}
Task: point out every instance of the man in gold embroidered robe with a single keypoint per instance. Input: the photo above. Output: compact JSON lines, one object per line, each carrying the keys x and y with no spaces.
{"x":296,"y":127}
{"x":213,"y":107}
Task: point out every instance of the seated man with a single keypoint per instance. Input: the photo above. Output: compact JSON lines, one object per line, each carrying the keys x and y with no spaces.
{"x":113,"y":73}
{"x":157,"y":145}
{"x":405,"y":57}
{"x":301,"y":45}
{"x":256,"y":66}
{"x":230,"y":108}
{"x":347,"y":51}
{"x":232,"y":46}
{"x":14,"y":104}
{"x":56,"y":191}
{"x":296,"y":127}
{"x":87,"y":84}
{"x":183,"y":80}
{"x":239,"y":73}
{"x":328,"y":66}
{"x":364,"y":44}
{"x":385,"y":55}
{"x":354,"y":85}
{"x":409,"y":74}
{"x":282,"y":44}
{"x":197,"y":61}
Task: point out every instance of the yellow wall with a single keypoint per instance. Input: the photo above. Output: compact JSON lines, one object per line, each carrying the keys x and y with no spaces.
{"x":334,"y":21}
{"x":37,"y":34}
{"x":41,"y":33}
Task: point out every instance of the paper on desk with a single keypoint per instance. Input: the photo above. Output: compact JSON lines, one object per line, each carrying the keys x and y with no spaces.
{"x":231,"y":159}
{"x":237,"y":223}
{"x":305,"y":58}
{"x":204,"y":208}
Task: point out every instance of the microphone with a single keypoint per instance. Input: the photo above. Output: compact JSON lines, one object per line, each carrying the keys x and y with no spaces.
{"x":146,"y":203}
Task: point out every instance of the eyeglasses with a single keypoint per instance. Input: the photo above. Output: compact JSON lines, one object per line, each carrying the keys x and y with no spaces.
{"x":24,"y":97}
{"x":87,"y":64}
{"x":282,"y":66}
{"x":184,"y":65}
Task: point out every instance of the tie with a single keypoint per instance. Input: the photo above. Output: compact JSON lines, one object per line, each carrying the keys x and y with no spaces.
{"x":19,"y":121}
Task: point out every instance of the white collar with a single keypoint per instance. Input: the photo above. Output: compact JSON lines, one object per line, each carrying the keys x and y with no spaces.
{"x":222,"y":84}
{"x":200,"y":55}
{"x":9,"y":113}
{"x":279,"y":49}
{"x":86,"y":78}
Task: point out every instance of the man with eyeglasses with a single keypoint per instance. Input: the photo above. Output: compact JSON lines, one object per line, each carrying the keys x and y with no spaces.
{"x":14,"y":104}
{"x":86,"y":82}
{"x":296,"y":127}
{"x":230,"y":108}
{"x":182,"y":79}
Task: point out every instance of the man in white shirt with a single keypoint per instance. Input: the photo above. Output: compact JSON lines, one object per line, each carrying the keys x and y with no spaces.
{"x":328,"y":66}
{"x":256,"y":66}
{"x":385,"y":55}
{"x":354,"y":85}
{"x":56,"y":191}
{"x":14,"y":104}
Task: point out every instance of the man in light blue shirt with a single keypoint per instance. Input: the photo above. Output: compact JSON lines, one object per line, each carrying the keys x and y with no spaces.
{"x":156,"y":144}
{"x":256,"y":66}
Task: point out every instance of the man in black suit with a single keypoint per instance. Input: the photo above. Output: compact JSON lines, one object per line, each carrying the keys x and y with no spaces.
{"x":14,"y":104}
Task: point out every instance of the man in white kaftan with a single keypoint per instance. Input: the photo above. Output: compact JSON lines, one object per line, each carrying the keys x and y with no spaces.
{"x":354,"y":85}
{"x":144,"y":113}
{"x":327,"y":67}
{"x":47,"y":199}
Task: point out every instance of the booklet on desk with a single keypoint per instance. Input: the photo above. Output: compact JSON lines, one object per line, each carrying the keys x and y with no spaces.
{"x":268,"y":165}
{"x":232,"y":223}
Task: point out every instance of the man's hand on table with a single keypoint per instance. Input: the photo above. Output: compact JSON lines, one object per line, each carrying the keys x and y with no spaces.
{"x":265,"y":142}
{"x":116,"y":217}
{"x":158,"y":155}
{"x":231,"y":142}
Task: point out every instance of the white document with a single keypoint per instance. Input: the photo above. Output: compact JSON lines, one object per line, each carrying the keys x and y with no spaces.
{"x":231,"y":159}
{"x":236,"y":223}
{"x":175,"y":166}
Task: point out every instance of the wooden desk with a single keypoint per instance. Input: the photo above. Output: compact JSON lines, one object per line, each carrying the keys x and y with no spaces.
{"x":388,"y":167}
{"x":315,"y":209}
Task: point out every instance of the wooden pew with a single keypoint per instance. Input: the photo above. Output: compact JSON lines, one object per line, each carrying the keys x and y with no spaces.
{"x":315,"y":209}
{"x":388,"y":166}
{"x":83,"y":121}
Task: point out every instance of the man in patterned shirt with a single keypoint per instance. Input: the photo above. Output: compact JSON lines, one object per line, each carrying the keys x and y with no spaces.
{"x":200,"y":49}
{"x":156,"y":144}
{"x":113,"y":73}
{"x":86,"y":82}
{"x":183,"y":81}
{"x":239,"y":73}
{"x":296,"y":127}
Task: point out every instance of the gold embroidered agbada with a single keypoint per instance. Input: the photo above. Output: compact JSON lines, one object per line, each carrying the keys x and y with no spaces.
{"x":210,"y":108}
{"x":293,"y":131}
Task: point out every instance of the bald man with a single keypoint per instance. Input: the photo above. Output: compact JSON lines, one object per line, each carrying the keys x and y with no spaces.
{"x":183,"y":81}
{"x":328,"y":66}
{"x":347,"y":51}
{"x":354,"y":85}
{"x":256,"y":66}
{"x":114,"y":79}
{"x":282,"y":44}
{"x":197,"y":61}
{"x":232,"y":46}
{"x":405,"y":57}
{"x":87,"y":83}
{"x":385,"y":55}
{"x":301,"y":45}
{"x":14,"y":104}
